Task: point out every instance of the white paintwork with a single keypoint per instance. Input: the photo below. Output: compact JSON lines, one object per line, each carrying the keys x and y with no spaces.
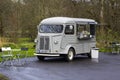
{"x":63,"y":20}
{"x":60,"y":43}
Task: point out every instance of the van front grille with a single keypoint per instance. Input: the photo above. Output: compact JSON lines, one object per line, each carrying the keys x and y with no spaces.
{"x":44,"y":43}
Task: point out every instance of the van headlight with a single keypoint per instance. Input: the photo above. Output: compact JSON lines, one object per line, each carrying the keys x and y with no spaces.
{"x":55,"y":42}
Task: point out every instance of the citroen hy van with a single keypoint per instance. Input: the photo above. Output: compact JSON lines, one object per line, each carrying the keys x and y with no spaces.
{"x":64,"y":36}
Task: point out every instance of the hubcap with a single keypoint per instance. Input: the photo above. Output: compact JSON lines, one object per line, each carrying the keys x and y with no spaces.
{"x":70,"y":55}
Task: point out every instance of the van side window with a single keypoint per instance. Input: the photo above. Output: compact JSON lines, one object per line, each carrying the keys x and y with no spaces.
{"x":69,"y":29}
{"x":83,"y":31}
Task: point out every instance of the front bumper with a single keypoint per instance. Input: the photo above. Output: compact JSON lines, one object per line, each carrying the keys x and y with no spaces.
{"x":46,"y":54}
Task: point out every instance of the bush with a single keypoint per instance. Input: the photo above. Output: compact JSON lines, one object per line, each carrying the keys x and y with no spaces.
{"x":28,"y":45}
{"x":23,"y":40}
{"x":12,"y":45}
{"x":2,"y":77}
{"x":3,"y":41}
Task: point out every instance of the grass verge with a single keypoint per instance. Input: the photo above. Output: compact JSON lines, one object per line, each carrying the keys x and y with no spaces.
{"x":3,"y":77}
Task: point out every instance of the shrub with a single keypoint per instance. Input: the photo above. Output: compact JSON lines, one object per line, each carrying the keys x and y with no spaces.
{"x":12,"y":45}
{"x":2,"y":77}
{"x":27,"y":44}
{"x":3,"y":41}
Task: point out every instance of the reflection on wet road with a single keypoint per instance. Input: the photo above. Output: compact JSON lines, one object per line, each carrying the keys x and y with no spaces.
{"x":81,"y":68}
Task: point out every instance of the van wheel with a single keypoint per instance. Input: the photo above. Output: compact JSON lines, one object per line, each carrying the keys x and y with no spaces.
{"x":70,"y":55}
{"x":41,"y":58}
{"x":89,"y":55}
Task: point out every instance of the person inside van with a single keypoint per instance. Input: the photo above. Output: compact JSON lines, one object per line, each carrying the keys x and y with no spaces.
{"x":85,"y":33}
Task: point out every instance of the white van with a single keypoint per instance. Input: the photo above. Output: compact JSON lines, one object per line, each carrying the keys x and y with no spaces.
{"x":64,"y":36}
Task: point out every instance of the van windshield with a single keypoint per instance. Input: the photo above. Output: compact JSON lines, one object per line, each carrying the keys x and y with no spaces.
{"x":51,"y":28}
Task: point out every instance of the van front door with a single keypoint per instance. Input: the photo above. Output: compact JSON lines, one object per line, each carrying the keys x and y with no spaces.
{"x":69,"y":35}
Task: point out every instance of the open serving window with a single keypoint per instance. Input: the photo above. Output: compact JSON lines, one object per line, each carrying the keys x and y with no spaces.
{"x":85,"y":31}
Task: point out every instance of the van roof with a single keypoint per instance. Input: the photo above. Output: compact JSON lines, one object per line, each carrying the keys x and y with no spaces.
{"x":63,"y":20}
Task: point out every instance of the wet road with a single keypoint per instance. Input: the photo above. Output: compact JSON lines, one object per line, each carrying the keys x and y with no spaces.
{"x":81,"y":68}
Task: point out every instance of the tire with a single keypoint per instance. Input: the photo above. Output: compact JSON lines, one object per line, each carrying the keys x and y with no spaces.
{"x":70,"y":55}
{"x":89,"y":55}
{"x":41,"y":58}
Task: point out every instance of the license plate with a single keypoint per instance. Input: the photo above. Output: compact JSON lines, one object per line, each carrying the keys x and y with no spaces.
{"x":43,"y":51}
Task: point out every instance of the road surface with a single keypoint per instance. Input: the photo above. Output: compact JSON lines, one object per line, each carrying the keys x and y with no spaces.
{"x":55,"y":68}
